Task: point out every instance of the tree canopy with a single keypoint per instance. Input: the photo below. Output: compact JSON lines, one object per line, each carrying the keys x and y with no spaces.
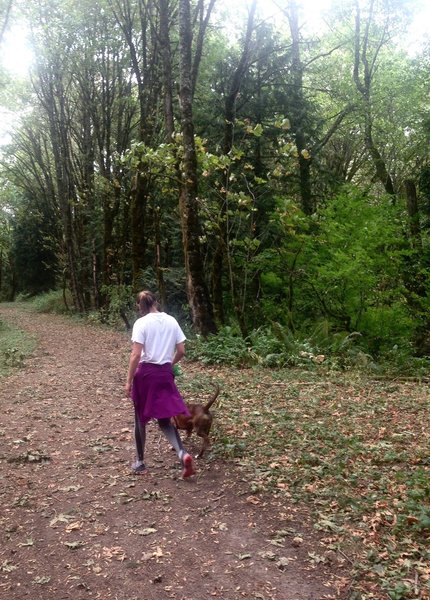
{"x":256,"y":174}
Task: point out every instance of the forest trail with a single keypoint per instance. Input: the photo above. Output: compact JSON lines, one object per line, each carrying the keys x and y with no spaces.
{"x":75,"y":523}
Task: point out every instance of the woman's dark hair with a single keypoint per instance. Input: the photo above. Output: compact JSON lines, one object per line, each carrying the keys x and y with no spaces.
{"x":145,"y":301}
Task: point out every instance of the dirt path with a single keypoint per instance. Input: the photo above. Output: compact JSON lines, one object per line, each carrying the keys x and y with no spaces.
{"x":76,"y":524}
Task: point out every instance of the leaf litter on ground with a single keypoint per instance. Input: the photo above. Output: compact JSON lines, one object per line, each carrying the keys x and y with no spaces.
{"x":355,"y":450}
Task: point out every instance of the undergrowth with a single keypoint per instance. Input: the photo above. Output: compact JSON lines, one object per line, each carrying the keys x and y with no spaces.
{"x":321,"y":350}
{"x":355,"y":450}
{"x":54,"y":302}
{"x":15,"y":346}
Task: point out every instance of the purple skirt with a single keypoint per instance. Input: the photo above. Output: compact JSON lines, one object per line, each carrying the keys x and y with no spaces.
{"x":155,"y":394}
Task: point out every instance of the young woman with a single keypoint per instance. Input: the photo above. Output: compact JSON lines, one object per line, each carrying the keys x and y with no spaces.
{"x":158,"y":343}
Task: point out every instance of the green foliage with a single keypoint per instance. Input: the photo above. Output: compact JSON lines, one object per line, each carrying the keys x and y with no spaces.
{"x":14,"y":347}
{"x":227,"y":347}
{"x":323,"y":349}
{"x":52,"y":302}
{"x":399,"y":360}
{"x":119,"y":304}
{"x":349,"y":269}
{"x":386,"y":327}
{"x":35,"y":248}
{"x":345,"y":270}
{"x":13,"y":357}
{"x":277,"y":346}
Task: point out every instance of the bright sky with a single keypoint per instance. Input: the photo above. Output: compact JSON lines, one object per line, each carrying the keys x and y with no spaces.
{"x":15,"y":52}
{"x":16,"y":55}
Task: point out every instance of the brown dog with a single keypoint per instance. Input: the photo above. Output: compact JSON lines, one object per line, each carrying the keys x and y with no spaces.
{"x":200,"y":421}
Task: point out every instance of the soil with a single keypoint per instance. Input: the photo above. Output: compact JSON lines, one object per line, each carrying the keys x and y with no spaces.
{"x":75,"y":522}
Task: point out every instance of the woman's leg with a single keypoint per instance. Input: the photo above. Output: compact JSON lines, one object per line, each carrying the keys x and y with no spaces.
{"x":172,"y":435}
{"x":174,"y":439}
{"x":140,"y":440}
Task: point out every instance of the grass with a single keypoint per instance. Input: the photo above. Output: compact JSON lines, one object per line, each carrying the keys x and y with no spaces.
{"x":15,"y":345}
{"x":51,"y":302}
{"x":356,"y":451}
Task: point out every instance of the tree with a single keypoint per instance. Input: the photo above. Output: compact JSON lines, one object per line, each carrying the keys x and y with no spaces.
{"x":144,"y":57}
{"x":197,"y":291}
{"x":365,"y":64}
{"x":221,"y":254}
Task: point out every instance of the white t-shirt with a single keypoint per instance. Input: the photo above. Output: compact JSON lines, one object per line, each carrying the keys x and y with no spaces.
{"x":159,"y":333}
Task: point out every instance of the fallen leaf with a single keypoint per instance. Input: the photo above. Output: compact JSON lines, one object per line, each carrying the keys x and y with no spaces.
{"x":146,"y":531}
{"x":297,"y":541}
{"x":74,"y":526}
{"x":42,"y":580}
{"x":73,"y":545}
{"x":7,"y":567}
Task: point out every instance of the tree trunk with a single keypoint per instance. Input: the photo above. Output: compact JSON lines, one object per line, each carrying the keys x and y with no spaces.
{"x":158,"y":262}
{"x":298,"y":112}
{"x":51,"y":92}
{"x":142,"y":65}
{"x":413,"y":274}
{"x":366,"y":64}
{"x":221,"y":255}
{"x":413,"y":213}
{"x":138,"y":213}
{"x":167,"y":69}
{"x":198,"y":297}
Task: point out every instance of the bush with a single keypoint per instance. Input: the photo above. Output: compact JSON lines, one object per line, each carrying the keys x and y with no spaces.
{"x":399,"y":361}
{"x":386,"y":326}
{"x":14,"y":347}
{"x":227,"y":347}
{"x":277,"y":346}
{"x":264,"y":342}
{"x":52,"y":302}
{"x":120,"y":307}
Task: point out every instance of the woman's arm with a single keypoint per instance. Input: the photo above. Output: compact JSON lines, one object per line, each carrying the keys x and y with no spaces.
{"x":136,"y":352}
{"x":179,"y":353}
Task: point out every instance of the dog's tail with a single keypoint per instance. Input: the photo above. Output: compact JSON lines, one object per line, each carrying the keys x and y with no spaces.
{"x":212,"y":399}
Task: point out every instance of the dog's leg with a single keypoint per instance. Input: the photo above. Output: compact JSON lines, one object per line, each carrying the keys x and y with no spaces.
{"x":205,"y":444}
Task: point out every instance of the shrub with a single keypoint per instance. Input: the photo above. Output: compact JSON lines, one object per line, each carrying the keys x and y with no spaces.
{"x":386,"y":326}
{"x":14,"y":347}
{"x":227,"y":347}
{"x":52,"y":302}
{"x":119,"y":308}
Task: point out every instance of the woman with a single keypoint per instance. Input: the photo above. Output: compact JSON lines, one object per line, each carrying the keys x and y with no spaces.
{"x":158,"y":343}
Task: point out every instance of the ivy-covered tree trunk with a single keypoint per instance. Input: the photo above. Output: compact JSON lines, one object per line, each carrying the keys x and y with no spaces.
{"x":197,"y":292}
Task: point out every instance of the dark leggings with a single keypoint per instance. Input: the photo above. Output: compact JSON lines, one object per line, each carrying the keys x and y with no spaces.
{"x":169,"y":430}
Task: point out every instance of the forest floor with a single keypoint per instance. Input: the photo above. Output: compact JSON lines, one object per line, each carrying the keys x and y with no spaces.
{"x":76,"y":523}
{"x":316,"y":486}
